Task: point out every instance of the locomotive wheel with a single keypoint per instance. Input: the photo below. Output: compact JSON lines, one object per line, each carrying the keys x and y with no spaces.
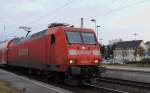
{"x":29,"y":71}
{"x":72,"y":82}
{"x":68,"y":80}
{"x":32,"y":72}
{"x":59,"y":77}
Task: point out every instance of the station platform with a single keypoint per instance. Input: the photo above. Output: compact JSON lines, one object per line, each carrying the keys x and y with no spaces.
{"x":139,"y":69}
{"x":29,"y":85}
{"x":137,"y":74}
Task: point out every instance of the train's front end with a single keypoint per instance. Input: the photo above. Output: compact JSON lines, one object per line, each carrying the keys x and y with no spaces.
{"x":84,"y":55}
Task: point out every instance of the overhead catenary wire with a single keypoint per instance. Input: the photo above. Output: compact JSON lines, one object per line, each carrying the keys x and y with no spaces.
{"x":70,"y":2}
{"x":110,"y":11}
{"x":36,"y":21}
{"x":118,"y":9}
{"x":55,"y":10}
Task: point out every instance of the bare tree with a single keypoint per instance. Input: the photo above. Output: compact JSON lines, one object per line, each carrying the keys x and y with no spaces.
{"x":114,"y":41}
{"x":138,"y":51}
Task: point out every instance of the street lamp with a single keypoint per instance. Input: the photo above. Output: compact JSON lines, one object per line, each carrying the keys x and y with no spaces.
{"x":3,"y":34}
{"x":97,"y":31}
{"x":135,"y":35}
{"x":93,"y":20}
{"x":101,"y":40}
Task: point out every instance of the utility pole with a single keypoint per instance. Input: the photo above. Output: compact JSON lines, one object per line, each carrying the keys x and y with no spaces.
{"x":82,"y":23}
{"x":135,"y":35}
{"x":27,"y":29}
{"x":2,"y":34}
{"x":93,"y":20}
{"x":98,"y":32}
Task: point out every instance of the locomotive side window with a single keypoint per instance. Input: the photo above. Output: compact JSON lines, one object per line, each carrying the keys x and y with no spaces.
{"x":52,"y":39}
{"x":88,"y":38}
{"x":74,"y":37}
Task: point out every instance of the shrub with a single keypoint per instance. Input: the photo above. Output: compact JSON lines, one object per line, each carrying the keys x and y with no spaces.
{"x":146,"y":60}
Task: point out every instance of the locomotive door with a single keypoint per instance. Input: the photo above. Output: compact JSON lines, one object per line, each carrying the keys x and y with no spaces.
{"x":52,"y":49}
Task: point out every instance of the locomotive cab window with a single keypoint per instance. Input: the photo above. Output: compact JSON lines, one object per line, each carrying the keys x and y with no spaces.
{"x":88,"y":38}
{"x":74,"y":37}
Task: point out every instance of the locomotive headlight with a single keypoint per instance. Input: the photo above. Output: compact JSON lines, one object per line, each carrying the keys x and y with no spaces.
{"x":72,"y":52}
{"x":96,"y":52}
{"x":72,"y":61}
{"x":96,"y":61}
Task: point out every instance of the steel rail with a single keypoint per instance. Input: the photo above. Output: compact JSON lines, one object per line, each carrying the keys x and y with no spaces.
{"x":125,"y":82}
{"x":105,"y":89}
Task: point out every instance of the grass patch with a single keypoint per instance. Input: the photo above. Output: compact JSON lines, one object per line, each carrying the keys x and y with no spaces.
{"x":6,"y":88}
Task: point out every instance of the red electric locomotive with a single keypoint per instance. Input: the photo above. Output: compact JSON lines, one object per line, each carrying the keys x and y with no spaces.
{"x":66,"y":52}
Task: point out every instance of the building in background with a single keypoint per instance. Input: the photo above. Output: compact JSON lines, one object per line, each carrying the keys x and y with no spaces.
{"x":129,"y":51}
{"x":147,"y":49}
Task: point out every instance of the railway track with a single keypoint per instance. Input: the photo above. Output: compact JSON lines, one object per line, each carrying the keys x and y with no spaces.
{"x":125,"y":83}
{"x":89,"y":88}
{"x":105,"y":90}
{"x":86,"y":88}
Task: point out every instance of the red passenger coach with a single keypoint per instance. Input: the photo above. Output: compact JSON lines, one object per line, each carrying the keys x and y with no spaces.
{"x":4,"y":52}
{"x":66,"y":52}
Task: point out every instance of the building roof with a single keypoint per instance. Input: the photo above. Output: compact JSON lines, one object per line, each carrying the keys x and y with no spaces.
{"x":147,"y":53}
{"x":128,"y":44}
{"x":148,"y":42}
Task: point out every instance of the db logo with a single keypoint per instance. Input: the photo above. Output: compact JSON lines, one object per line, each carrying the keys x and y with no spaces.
{"x":23,"y":52}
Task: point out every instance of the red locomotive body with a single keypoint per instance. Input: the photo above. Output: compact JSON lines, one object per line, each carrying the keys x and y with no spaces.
{"x":74,"y":52}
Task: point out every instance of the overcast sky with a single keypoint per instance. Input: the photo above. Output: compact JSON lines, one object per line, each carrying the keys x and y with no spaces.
{"x":117,"y":18}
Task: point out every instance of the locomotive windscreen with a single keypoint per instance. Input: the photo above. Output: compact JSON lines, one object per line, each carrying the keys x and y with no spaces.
{"x":81,"y":37}
{"x":74,"y":37}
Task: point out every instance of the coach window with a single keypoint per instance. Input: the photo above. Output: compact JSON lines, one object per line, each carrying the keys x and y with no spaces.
{"x":52,"y":39}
